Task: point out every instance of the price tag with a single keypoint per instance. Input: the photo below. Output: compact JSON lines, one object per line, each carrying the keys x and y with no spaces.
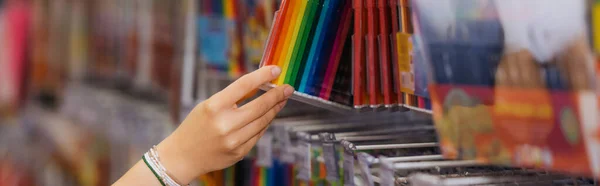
{"x":386,"y":172}
{"x":278,"y":132}
{"x":348,"y":167}
{"x":284,"y":144}
{"x":304,"y":164}
{"x":265,"y":150}
{"x":363,"y":162}
{"x":330,"y":157}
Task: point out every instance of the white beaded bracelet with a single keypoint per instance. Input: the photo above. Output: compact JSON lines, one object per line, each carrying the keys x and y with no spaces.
{"x":152,"y":160}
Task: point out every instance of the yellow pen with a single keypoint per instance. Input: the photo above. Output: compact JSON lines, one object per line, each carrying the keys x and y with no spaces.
{"x":296,"y":21}
{"x":285,"y":34}
{"x":281,"y":59}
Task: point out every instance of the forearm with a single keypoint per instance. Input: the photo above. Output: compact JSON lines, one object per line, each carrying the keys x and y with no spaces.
{"x":139,"y":174}
{"x":216,"y":134}
{"x":173,"y":160}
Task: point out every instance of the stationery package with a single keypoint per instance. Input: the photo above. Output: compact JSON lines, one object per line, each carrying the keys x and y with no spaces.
{"x":14,"y":26}
{"x":220,"y":39}
{"x":309,"y":40}
{"x":258,"y":18}
{"x":349,"y":54}
{"x":513,"y":82}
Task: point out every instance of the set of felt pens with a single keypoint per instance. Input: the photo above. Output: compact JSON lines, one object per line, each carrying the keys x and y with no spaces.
{"x":356,"y":53}
{"x":308,"y":41}
{"x":409,"y":72}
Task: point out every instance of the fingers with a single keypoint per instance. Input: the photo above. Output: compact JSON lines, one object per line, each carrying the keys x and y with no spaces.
{"x":246,"y":147}
{"x":253,"y":129}
{"x":263,"y":104}
{"x":248,"y":96}
{"x":245,"y":85}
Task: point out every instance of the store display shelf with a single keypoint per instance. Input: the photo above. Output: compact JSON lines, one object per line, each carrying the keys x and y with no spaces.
{"x":339,"y":108}
{"x":421,"y":110}
{"x":315,"y":101}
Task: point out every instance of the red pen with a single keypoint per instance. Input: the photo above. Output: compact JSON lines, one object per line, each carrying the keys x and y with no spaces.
{"x":389,"y":97}
{"x":275,"y":33}
{"x":359,"y":58}
{"x":338,"y":46}
{"x":373,"y":55}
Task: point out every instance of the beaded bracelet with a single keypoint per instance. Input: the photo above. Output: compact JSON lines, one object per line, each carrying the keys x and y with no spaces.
{"x":152,"y":160}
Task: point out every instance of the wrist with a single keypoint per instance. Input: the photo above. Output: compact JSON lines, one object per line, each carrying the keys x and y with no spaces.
{"x":175,"y":161}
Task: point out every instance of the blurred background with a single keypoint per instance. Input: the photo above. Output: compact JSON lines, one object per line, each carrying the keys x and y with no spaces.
{"x":87,"y":86}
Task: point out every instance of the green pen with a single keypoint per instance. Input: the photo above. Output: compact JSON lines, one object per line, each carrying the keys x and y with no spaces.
{"x":296,"y":22}
{"x":299,"y":39}
{"x":305,"y":41}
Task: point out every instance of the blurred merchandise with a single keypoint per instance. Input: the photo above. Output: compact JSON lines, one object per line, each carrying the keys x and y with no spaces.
{"x":257,"y":23}
{"x":14,"y":26}
{"x":513,"y":82}
{"x":220,"y":38}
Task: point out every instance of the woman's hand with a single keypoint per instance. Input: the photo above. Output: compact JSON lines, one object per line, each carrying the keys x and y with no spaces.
{"x":217,"y":133}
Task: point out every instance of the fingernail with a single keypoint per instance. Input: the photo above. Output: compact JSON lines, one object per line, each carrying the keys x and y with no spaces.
{"x":288,"y":91}
{"x":276,"y":71}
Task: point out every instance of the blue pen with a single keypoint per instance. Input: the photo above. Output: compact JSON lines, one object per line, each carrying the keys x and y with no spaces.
{"x":314,"y":81}
{"x":316,"y":46}
{"x":309,"y":69}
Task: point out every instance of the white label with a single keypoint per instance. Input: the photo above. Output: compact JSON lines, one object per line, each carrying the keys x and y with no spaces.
{"x":284,"y":145}
{"x":278,"y":132}
{"x":331,"y":161}
{"x":407,"y":80}
{"x":265,"y":150}
{"x":363,"y":162}
{"x":386,"y":172}
{"x":348,"y":167}
{"x":304,"y":164}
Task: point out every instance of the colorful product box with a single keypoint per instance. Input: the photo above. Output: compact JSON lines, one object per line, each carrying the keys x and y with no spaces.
{"x":512,"y":82}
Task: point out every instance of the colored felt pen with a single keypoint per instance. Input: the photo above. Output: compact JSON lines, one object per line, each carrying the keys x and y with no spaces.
{"x":288,"y":34}
{"x":323,"y":55}
{"x":276,"y":33}
{"x":334,"y":59}
{"x":373,"y":55}
{"x":385,"y":50}
{"x":290,"y":44}
{"x":285,"y":27}
{"x":358,"y":52}
{"x":303,"y":56}
{"x":342,"y":84}
{"x":317,"y":44}
{"x":297,"y":44}
{"x":305,"y":38}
